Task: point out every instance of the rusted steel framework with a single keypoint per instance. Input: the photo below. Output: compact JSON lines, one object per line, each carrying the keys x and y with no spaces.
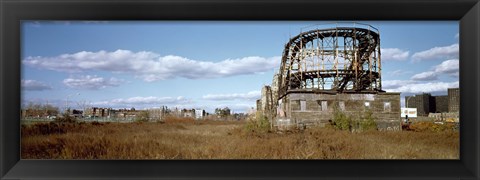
{"x":332,"y":60}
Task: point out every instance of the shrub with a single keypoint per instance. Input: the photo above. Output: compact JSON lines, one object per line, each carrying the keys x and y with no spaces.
{"x":142,"y":117}
{"x":429,"y":126}
{"x":66,"y":118}
{"x":341,"y":120}
{"x":368,"y":121}
{"x":362,"y":122}
{"x":259,"y":123}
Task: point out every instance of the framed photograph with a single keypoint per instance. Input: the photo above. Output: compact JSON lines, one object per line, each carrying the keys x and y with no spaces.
{"x":244,"y":89}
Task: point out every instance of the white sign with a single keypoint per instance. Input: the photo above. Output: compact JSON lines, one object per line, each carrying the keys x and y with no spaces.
{"x":412,"y":112}
{"x":198,"y":113}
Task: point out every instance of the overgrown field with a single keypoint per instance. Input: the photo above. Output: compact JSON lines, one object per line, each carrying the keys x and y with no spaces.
{"x":189,"y":139}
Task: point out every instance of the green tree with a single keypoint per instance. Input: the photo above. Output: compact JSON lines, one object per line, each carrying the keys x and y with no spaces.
{"x":342,"y":121}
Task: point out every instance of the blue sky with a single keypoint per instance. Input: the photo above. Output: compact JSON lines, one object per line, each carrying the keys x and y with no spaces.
{"x":205,"y":64}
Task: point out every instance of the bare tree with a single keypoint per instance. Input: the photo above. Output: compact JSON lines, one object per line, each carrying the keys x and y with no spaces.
{"x":84,"y":105}
{"x":39,"y":110}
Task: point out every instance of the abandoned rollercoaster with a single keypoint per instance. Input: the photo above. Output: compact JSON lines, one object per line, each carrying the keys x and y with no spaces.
{"x":327,"y":67}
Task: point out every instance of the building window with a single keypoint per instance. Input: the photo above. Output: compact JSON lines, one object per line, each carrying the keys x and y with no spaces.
{"x":341,"y":105}
{"x":387,"y":107}
{"x":367,"y":105}
{"x":324,"y":105}
{"x":303,"y":105}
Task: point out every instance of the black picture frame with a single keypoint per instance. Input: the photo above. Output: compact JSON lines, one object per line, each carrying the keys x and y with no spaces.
{"x":467,"y":12}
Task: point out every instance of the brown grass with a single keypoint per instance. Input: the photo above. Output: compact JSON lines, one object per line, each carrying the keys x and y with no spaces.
{"x":183,"y":138}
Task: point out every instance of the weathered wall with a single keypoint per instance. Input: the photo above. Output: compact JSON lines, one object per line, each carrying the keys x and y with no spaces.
{"x":385,"y":107}
{"x":426,"y":103}
{"x":441,"y":104}
{"x":259,"y":104}
{"x":423,"y":102}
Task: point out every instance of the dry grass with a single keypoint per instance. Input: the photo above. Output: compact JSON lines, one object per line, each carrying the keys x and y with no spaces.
{"x":180,"y":138}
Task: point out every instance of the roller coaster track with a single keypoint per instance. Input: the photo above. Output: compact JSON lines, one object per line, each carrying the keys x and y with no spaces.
{"x":362,"y":73}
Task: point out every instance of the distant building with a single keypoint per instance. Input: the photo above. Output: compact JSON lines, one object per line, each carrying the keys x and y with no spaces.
{"x":157,"y":114}
{"x":453,"y":99}
{"x":259,"y":105}
{"x":423,"y":102}
{"x":441,"y":104}
{"x":199,"y":113}
{"x":222,"y":112}
{"x":266,"y":99}
{"x":188,"y":113}
{"x":76,"y":113}
{"x":426,"y":103}
{"x":97,"y":112}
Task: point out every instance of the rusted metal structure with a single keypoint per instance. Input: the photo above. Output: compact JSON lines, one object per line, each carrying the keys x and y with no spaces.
{"x":335,"y":59}
{"x":329,"y":68}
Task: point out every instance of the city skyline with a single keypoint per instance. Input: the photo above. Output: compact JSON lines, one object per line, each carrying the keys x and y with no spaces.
{"x":206,"y":64}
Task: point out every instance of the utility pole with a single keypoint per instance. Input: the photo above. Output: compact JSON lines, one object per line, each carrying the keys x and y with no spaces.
{"x":406,"y":103}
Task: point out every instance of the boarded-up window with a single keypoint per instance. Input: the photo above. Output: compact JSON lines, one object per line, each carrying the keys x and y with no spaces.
{"x":341,"y":105}
{"x":387,"y":107}
{"x":295,"y":105}
{"x":324,"y":105}
{"x":303,"y":105}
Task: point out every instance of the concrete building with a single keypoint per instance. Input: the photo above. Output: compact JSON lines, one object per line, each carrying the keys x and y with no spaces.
{"x":199,"y":113}
{"x":97,"y":112}
{"x":423,"y":102}
{"x":441,"y":104}
{"x":453,"y":99}
{"x":318,"y":109}
{"x":426,"y":103}
{"x":266,"y":100}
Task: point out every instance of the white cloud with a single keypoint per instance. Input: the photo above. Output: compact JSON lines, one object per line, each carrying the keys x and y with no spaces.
{"x":33,"y":85}
{"x":150,"y":100}
{"x":393,"y":84}
{"x":394,"y":54}
{"x":425,"y":76}
{"x":42,"y":100}
{"x":418,"y":84}
{"x":416,"y":87}
{"x":252,"y":95}
{"x":399,"y":72}
{"x":449,"y":67}
{"x":150,"y":66}
{"x":444,"y":52}
{"x":91,"y":82}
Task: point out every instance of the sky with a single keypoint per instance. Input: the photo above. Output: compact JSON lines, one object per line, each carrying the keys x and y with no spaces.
{"x":206,"y":64}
